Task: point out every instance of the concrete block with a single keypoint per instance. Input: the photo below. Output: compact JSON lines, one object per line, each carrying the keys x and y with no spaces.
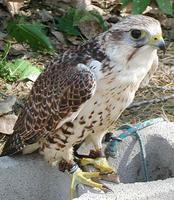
{"x":29,"y":177}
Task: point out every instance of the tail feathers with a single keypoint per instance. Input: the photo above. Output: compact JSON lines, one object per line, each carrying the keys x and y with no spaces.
{"x":10,"y":144}
{"x":13,"y":144}
{"x":3,"y":140}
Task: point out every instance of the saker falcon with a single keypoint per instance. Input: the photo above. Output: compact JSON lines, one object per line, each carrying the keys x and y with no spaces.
{"x":81,"y":95}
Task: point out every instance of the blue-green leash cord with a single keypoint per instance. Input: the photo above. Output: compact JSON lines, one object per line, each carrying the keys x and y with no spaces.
{"x":143,"y":157}
{"x":128,"y":130}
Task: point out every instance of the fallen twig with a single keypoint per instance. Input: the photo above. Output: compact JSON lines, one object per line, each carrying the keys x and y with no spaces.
{"x":156,"y":100}
{"x":162,"y":87}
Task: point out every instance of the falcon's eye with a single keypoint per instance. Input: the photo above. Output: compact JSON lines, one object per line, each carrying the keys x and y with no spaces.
{"x":136,"y":34}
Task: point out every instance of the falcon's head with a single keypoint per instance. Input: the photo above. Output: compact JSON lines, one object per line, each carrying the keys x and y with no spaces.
{"x":134,"y":35}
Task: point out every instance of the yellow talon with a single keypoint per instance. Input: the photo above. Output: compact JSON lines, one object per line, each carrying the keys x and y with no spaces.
{"x":98,"y":163}
{"x":85,"y":178}
{"x":107,"y":173}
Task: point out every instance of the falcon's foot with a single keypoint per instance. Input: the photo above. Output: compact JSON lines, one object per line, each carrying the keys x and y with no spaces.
{"x":100,"y":163}
{"x":86,"y":178}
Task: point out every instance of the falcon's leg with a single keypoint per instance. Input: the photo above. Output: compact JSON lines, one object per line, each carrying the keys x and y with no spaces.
{"x":78,"y":176}
{"x":99,"y":161}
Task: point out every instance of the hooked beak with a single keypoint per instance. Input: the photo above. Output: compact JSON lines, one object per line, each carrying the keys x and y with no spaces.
{"x":158,"y":42}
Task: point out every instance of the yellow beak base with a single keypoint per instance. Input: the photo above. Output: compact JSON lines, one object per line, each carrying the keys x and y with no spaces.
{"x":158,"y":42}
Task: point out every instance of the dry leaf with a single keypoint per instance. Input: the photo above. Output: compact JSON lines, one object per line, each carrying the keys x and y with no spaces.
{"x":90,"y":29}
{"x":7,"y":123}
{"x":59,"y":36}
{"x":7,"y":104}
{"x":14,"y":6}
{"x":17,"y":49}
{"x":46,"y":15}
{"x":74,"y":39}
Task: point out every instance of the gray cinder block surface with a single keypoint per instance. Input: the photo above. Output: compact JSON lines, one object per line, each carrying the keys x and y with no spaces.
{"x":29,"y":177}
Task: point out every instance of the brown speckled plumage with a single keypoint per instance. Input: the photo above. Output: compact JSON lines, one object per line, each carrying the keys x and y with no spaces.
{"x":57,"y":93}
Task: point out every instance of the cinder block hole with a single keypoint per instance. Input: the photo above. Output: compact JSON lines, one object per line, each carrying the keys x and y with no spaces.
{"x":160,"y":162}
